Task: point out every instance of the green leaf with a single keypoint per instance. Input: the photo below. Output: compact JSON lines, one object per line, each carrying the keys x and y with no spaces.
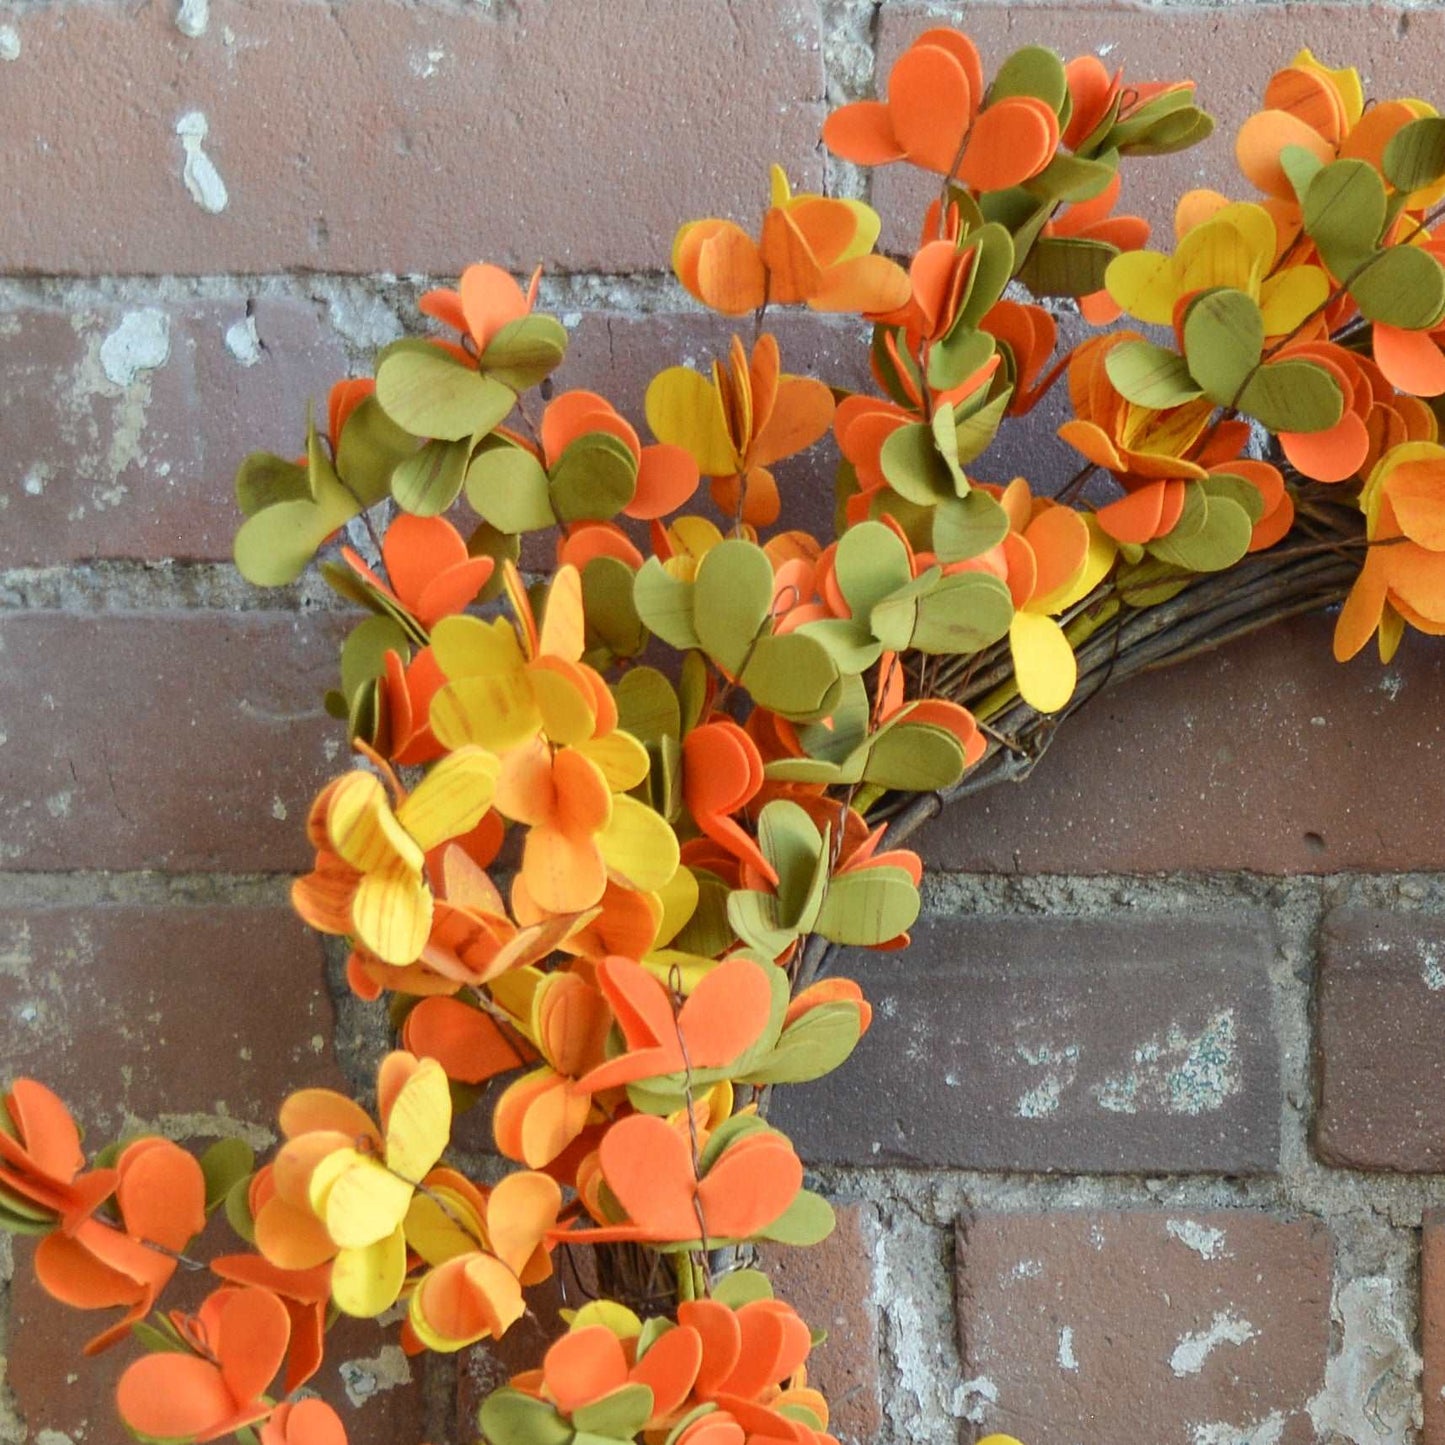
{"x":507,"y":486}
{"x":1293,"y":396}
{"x":816,"y":1044}
{"x":612,"y":620}
{"x":914,"y":758}
{"x":1073,"y":177}
{"x":1402,"y":286}
{"x":965,"y":613}
{"x":1238,"y":490}
{"x":489,"y":541}
{"x":431,"y":394}
{"x":1415,"y":155}
{"x":275,"y":546}
{"x":975,"y":432}
{"x":808,"y":1220}
{"x":1172,"y":133}
{"x":1031,"y":70}
{"x":664,"y":603}
{"x":647,"y":705}
{"x":1300,"y":167}
{"x":618,"y":1415}
{"x":370,"y":447}
{"x":733,"y":601}
{"x":793,"y":676}
{"x":741,"y":1287}
{"x":1150,"y":375}
{"x":913,"y":467}
{"x":868,"y":906}
{"x":1066,"y":266}
{"x":1223,"y":342}
{"x":526,"y":351}
{"x":956,"y":357}
{"x":430,"y":480}
{"x":263,"y":480}
{"x":965,"y":527}
{"x":593,"y":479}
{"x":508,"y":1417}
{"x":992,"y":267}
{"x":238,"y":1210}
{"x":1220,"y":543}
{"x":1344,"y":213}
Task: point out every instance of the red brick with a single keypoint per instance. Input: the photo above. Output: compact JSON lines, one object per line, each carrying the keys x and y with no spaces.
{"x":131,"y":1010}
{"x":831,"y":1286}
{"x":1231,"y":51}
{"x":1100,"y":1045}
{"x":57,"y":1389}
{"x":111,"y":459}
{"x":1380,"y":1011}
{"x":399,"y":138}
{"x":181,"y":741}
{"x":1265,"y":756}
{"x":1432,"y":1325}
{"x":1172,"y":1327}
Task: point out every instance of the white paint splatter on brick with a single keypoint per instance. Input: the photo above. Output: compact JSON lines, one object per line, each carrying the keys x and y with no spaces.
{"x":972,"y":1399}
{"x":1061,"y":1065}
{"x":35,"y":479}
{"x":202,"y":179}
{"x":9,"y":43}
{"x":425,"y":64}
{"x":142,"y":342}
{"x":1205,"y":1241}
{"x":1432,"y":972}
{"x":1192,"y":1350}
{"x":1371,"y":1390}
{"x":365,"y":1378}
{"x":1180,"y":1074}
{"x":193,"y":17}
{"x":1262,"y":1432}
{"x":243,"y":342}
{"x":1067,"y":1359}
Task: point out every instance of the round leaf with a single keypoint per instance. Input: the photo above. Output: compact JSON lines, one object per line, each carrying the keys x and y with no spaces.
{"x":1402,"y":286}
{"x":431,"y":394}
{"x":430,"y":480}
{"x":1223,"y":342}
{"x":508,"y":487}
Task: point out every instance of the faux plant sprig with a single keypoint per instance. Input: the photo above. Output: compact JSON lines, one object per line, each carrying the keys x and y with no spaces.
{"x":610,"y":822}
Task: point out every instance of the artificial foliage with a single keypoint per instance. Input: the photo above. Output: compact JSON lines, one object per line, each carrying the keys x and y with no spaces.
{"x":635,"y":757}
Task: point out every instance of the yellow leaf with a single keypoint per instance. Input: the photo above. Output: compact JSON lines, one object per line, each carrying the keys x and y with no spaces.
{"x":452,"y":798}
{"x":420,"y":1122}
{"x":1102,"y":551}
{"x":619,"y":757}
{"x":363,"y":830}
{"x":684,"y":409}
{"x":1218,"y":253}
{"x":638,"y":845}
{"x":565,"y":710}
{"x":391,"y":912}
{"x":357,"y":1199}
{"x":366,"y":1282}
{"x":1043,"y":661}
{"x":495,"y":712}
{"x":610,"y":1315}
{"x":441,"y":1225}
{"x":1142,"y":282}
{"x":1286,"y":299}
{"x":679,"y":897}
{"x":467,"y":646}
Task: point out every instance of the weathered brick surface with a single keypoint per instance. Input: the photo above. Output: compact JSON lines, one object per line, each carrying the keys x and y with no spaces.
{"x":831,"y":1286}
{"x":1170,"y":1327}
{"x":1230,"y":50}
{"x":366,"y":1376}
{"x":1432,"y":1325}
{"x":1085,"y":1044}
{"x":578,"y":135}
{"x":184,"y":741}
{"x":1264,"y":756}
{"x":125,"y":424}
{"x":147,"y":1012}
{"x":1380,"y":1016}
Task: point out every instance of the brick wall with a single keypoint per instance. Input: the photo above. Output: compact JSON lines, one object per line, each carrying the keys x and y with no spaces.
{"x":1149,"y":1137}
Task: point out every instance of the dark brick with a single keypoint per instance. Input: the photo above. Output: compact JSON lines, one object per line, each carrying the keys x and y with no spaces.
{"x":1172,"y":1327}
{"x":1265,"y":756}
{"x":138,"y":461}
{"x":831,"y":1286}
{"x":139,"y":1011}
{"x":1231,"y":51}
{"x":1380,"y":1013}
{"x":182,"y":741}
{"x":1113,"y":1045}
{"x":576,"y":135}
